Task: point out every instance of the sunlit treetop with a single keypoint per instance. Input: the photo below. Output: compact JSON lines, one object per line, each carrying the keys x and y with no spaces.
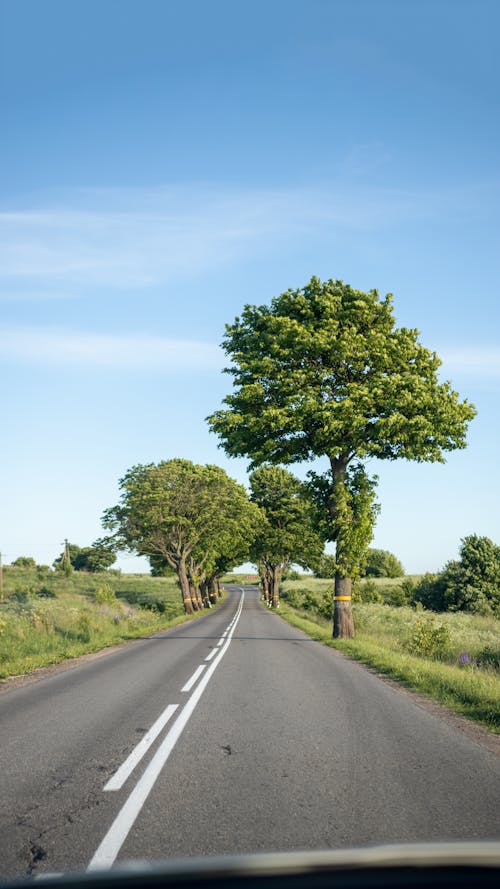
{"x":325,"y":371}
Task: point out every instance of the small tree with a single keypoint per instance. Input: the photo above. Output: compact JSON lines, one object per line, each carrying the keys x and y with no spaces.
{"x":382,"y":563}
{"x":324,"y":372}
{"x":95,"y":558}
{"x":286,"y":534}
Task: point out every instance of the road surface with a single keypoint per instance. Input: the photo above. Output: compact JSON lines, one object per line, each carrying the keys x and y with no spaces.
{"x":232,"y":733}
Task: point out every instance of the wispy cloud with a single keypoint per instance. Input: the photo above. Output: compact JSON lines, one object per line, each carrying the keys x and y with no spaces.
{"x":135,"y":238}
{"x":477,"y":361}
{"x":57,"y":346}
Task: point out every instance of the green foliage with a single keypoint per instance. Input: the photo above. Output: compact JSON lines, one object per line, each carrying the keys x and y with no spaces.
{"x":285,"y":531}
{"x":326,"y":566}
{"x":61,"y":563}
{"x":324,"y":372}
{"x":24,"y":562}
{"x":95,"y":558}
{"x":368,"y":592}
{"x":104,"y":593}
{"x":489,"y":657}
{"x":45,"y":592}
{"x":382,"y":563}
{"x":190,"y":517}
{"x":346,"y":511}
{"x":471,"y":583}
{"x":428,"y":639}
{"x":36,"y":631}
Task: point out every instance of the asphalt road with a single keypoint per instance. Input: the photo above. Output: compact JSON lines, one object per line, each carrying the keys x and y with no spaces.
{"x":251,"y":737}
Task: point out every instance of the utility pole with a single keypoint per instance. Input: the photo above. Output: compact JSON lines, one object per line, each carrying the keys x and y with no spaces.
{"x":1,"y":578}
{"x":66,"y":559}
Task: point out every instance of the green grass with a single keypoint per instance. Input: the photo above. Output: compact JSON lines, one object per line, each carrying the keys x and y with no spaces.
{"x":383,"y":641}
{"x":79,"y":614}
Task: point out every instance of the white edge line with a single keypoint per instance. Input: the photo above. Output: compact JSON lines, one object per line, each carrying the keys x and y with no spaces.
{"x":211,"y":655}
{"x":117,"y":834}
{"x":127,"y":767}
{"x":189,"y":684}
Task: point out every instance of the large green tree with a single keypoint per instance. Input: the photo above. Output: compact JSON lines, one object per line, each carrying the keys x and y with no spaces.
{"x":323,"y":372}
{"x":286,"y":532}
{"x":181,"y":513}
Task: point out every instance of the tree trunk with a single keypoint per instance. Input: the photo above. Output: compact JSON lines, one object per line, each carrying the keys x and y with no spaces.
{"x":212,"y":592}
{"x":276,"y":574}
{"x":265,"y":587}
{"x":204,"y":594}
{"x":343,"y":624}
{"x":195,"y":595}
{"x":184,"y":585}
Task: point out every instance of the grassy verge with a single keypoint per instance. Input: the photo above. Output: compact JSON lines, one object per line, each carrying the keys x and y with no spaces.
{"x":46,"y":621}
{"x":382,"y":641}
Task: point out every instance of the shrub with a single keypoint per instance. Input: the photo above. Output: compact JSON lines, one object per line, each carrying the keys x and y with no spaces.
{"x":489,"y":657}
{"x":44,"y":592}
{"x":471,"y":583}
{"x":326,"y":605}
{"x":368,"y":592}
{"x":24,"y":562}
{"x":104,"y":593}
{"x":429,"y":640}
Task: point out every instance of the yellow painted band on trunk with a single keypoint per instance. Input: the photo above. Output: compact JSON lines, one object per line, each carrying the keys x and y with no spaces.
{"x":342,"y":598}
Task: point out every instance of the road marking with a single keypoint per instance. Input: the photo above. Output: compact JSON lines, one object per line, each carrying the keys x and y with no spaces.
{"x":120,"y":776}
{"x":212,"y":654}
{"x":189,"y":684}
{"x":124,"y":821}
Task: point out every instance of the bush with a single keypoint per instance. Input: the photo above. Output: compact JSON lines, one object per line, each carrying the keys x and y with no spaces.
{"x":44,"y":592}
{"x":400,"y":595}
{"x":104,"y":593}
{"x":24,"y":562}
{"x":429,"y":640}
{"x":368,"y":592}
{"x":382,"y":563}
{"x":471,"y":583}
{"x":489,"y":657}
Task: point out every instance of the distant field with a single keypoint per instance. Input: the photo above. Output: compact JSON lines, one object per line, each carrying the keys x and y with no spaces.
{"x":453,"y":657}
{"x":46,"y":617}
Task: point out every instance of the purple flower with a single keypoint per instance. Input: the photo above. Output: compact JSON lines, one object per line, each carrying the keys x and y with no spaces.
{"x":464,"y":659}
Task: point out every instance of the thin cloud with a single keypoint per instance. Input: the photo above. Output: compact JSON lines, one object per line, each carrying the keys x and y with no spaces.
{"x":58,"y":346}
{"x":136,"y":238}
{"x":481,"y":361}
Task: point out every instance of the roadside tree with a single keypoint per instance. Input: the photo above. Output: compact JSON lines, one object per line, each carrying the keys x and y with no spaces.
{"x":286,"y":534}
{"x":323,"y":372}
{"x":180,"y":513}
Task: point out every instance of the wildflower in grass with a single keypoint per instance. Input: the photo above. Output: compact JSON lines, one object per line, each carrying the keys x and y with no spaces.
{"x":465,"y":660}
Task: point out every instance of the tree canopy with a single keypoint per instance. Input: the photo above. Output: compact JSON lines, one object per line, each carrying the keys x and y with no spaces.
{"x":191,"y":517}
{"x":286,"y":532}
{"x":469,"y":583}
{"x":382,"y":563}
{"x":324,"y":372}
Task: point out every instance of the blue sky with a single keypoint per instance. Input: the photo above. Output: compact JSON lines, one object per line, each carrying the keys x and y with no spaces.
{"x":164,"y":163}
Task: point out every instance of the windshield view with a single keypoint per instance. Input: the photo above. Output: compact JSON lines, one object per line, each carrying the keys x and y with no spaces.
{"x":249,"y":535}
